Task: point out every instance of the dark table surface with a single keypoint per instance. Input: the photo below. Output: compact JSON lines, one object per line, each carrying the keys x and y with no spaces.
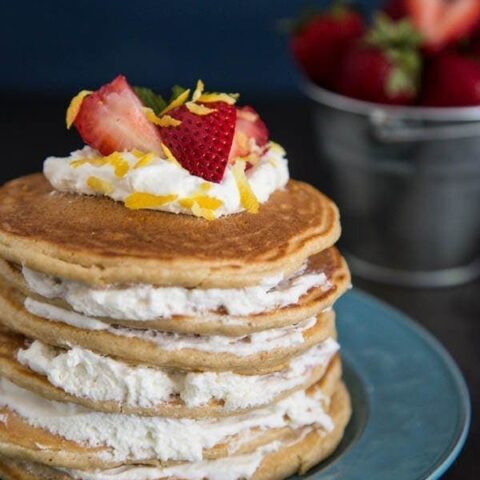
{"x":32,"y":127}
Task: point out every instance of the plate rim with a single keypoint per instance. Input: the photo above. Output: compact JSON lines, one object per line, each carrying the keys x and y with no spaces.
{"x":453,"y":449}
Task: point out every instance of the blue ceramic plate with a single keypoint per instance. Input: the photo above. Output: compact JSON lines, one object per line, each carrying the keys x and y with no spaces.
{"x":410,"y":402}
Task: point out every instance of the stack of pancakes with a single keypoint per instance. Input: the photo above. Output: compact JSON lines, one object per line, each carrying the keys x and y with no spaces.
{"x":143,"y":345}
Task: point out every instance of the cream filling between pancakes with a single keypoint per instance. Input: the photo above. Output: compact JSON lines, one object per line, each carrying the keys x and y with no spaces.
{"x":147,"y":302}
{"x":84,"y":373}
{"x":133,"y":437}
{"x":267,"y":340}
{"x":229,"y":468}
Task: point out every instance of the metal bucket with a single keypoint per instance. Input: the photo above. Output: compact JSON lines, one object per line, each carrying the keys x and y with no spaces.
{"x":407,"y":182}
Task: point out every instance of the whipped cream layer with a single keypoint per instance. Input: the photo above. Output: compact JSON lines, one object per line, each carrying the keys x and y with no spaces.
{"x":84,"y":373}
{"x":162,"y":177}
{"x":237,"y":467}
{"x":139,"y":438}
{"x":147,"y":302}
{"x":244,"y":345}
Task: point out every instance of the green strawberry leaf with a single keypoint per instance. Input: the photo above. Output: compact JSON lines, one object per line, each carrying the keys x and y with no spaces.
{"x":150,"y":99}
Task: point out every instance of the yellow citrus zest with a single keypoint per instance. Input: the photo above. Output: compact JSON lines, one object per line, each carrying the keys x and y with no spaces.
{"x":203,"y":201}
{"x":198,"y":91}
{"x":276,"y":148}
{"x":205,"y":213}
{"x":74,"y":107}
{"x":229,"y":98}
{"x":198,"y":109}
{"x":273,"y":162}
{"x":180,"y":100}
{"x":99,"y":186}
{"x":247,"y":197}
{"x":144,"y":160}
{"x":115,"y":159}
{"x":137,"y":153}
{"x":139,"y":200}
{"x":169,"y":155}
{"x":97,"y":162}
{"x":120,"y":165}
{"x":204,"y":187}
{"x":163,"y":121}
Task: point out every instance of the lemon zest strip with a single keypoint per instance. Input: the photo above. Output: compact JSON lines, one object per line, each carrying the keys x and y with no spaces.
{"x":99,"y":186}
{"x":198,"y":90}
{"x":247,"y":197}
{"x":203,"y":201}
{"x":144,"y":160}
{"x":202,"y":212}
{"x":163,"y":121}
{"x":180,"y":100}
{"x":276,"y":148}
{"x":169,"y":155}
{"x":229,"y":98}
{"x":139,"y":200}
{"x":198,"y":109}
{"x":74,"y":107}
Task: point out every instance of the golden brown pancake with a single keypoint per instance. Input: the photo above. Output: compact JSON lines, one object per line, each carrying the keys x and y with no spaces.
{"x":99,"y":241}
{"x":297,"y":457}
{"x":20,"y":440}
{"x":309,"y":305}
{"x":15,"y":317}
{"x":26,"y":378}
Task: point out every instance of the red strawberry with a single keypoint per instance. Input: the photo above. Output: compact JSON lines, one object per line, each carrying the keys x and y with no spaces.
{"x":320,"y":42}
{"x":443,"y":22}
{"x":201,"y":143}
{"x":452,"y":80}
{"x":249,"y":125}
{"x":384,"y":67}
{"x":112,"y":120}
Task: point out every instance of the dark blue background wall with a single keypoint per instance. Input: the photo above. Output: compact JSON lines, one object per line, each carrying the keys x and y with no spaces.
{"x":61,"y":46}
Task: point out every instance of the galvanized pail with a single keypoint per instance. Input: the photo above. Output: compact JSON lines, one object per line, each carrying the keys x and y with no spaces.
{"x":407,"y":181}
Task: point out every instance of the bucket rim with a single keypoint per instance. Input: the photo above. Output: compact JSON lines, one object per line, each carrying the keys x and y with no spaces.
{"x":352,"y":105}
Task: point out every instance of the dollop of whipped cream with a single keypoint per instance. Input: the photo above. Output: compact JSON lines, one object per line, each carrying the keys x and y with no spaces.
{"x":85,"y":171}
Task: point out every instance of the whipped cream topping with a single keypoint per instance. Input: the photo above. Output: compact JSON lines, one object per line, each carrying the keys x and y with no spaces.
{"x":162,"y":177}
{"x":244,"y":345}
{"x":227,"y":468}
{"x":147,"y":302}
{"x":84,"y":373}
{"x":140,"y":438}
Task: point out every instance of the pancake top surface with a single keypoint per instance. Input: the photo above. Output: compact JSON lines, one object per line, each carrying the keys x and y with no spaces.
{"x":98,"y":241}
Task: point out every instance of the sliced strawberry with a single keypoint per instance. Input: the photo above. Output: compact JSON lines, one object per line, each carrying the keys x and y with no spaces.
{"x":112,"y":120}
{"x":201,"y":143}
{"x":249,"y":126}
{"x":443,"y":22}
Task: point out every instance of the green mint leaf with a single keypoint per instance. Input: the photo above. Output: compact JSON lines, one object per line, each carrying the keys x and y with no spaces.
{"x":150,"y":99}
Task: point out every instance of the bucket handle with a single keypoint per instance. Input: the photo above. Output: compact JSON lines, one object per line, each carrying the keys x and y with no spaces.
{"x":388,"y":130}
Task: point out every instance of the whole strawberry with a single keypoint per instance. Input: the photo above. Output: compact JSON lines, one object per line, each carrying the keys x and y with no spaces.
{"x":320,"y":41}
{"x":384,"y":66}
{"x":452,"y":80}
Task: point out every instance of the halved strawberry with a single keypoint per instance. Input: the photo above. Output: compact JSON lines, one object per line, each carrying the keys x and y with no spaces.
{"x":249,"y":126}
{"x":443,"y":22}
{"x":201,"y":143}
{"x":112,"y":120}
